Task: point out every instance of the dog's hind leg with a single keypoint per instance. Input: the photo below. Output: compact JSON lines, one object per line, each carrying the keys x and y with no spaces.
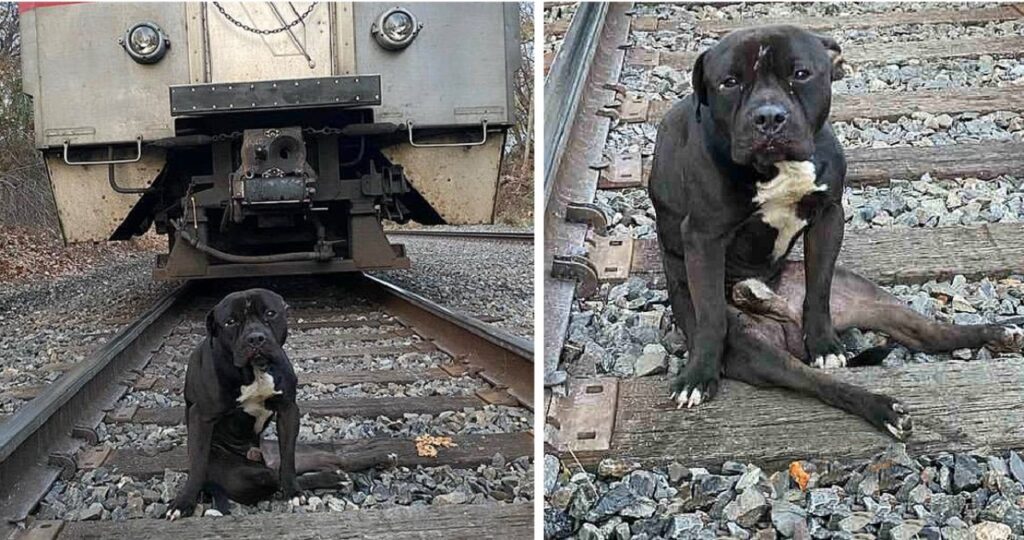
{"x":859,"y":303}
{"x":751,"y":359}
{"x":877,"y":309}
{"x":221,"y":501}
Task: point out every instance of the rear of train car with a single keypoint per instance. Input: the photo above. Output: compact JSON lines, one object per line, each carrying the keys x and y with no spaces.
{"x":269,"y":138}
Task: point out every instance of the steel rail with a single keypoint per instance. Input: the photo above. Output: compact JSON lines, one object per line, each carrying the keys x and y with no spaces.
{"x":487,"y":235}
{"x":43,"y":427}
{"x":565,"y":83}
{"x":505,"y":360}
{"x":570,"y":179}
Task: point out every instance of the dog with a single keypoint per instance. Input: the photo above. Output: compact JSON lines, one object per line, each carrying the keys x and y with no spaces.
{"x":742,"y":168}
{"x":237,"y":380}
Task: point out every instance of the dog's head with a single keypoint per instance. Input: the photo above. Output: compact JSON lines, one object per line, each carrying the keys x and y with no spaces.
{"x":252,"y":325}
{"x":767,"y":92}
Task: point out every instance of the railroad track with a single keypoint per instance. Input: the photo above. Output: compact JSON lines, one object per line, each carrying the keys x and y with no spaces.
{"x":482,"y":235}
{"x":378,"y":366}
{"x":598,"y":141}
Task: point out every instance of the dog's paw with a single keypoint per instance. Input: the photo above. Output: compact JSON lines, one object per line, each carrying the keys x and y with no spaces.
{"x":900,"y":424}
{"x":213,"y":512}
{"x":694,"y":385}
{"x":180,"y":509}
{"x":829,"y":361}
{"x":824,"y":349}
{"x":893,"y":417}
{"x":1011,"y":339}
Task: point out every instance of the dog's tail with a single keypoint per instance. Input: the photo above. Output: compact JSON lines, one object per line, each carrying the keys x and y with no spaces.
{"x":872,"y":356}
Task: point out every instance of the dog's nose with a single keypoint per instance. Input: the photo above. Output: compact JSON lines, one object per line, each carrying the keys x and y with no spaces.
{"x":256,"y":339}
{"x":769,"y":119}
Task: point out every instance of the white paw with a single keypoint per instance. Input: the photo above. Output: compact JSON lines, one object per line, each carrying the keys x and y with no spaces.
{"x":895,"y":432}
{"x":298,"y":500}
{"x":173,"y":515}
{"x":830,"y":361}
{"x":213,"y":512}
{"x":688,"y":399}
{"x":903,"y":426}
{"x":1013,"y":336}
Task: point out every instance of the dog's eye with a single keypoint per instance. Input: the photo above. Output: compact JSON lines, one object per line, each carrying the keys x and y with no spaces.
{"x":730,"y":82}
{"x":271,"y":314}
{"x":802,"y":74}
{"x":230,"y":322}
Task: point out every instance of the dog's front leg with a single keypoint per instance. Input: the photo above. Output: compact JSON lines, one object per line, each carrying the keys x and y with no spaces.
{"x":288,"y":433}
{"x":704,"y":254}
{"x":822,"y":241}
{"x":200,"y":435}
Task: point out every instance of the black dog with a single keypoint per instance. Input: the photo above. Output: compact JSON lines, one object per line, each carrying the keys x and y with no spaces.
{"x":237,"y":380}
{"x":742,"y":167}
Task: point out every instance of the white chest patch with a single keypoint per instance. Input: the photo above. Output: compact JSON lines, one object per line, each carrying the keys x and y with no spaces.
{"x":253,"y":397}
{"x":778,"y":199}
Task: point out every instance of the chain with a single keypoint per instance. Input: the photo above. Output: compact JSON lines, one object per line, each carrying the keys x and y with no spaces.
{"x":262,"y":32}
{"x":230,"y":136}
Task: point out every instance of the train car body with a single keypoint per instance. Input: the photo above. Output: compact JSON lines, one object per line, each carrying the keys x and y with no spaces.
{"x":269,"y":138}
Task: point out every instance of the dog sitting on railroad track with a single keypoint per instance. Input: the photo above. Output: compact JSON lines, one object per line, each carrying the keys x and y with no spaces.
{"x":742,"y":168}
{"x":237,"y":379}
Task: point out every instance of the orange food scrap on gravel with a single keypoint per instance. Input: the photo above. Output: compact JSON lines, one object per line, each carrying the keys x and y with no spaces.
{"x":427,"y":445}
{"x":796,"y":470}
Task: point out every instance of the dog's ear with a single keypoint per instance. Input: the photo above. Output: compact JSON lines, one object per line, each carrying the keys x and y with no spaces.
{"x":835,"y":54}
{"x":211,"y":324}
{"x":700,"y":92}
{"x":284,"y":324}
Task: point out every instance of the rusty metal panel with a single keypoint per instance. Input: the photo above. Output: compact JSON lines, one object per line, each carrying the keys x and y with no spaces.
{"x":125,"y":99}
{"x":585,"y":418}
{"x":611,"y":257}
{"x":88,"y":209}
{"x":626,"y":171}
{"x":460,"y":183}
{"x":234,"y":54}
{"x":468,"y":83}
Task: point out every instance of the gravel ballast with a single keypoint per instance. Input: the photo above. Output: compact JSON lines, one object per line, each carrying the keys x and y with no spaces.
{"x":488,"y":279}
{"x":950,"y":496}
{"x":50,"y":322}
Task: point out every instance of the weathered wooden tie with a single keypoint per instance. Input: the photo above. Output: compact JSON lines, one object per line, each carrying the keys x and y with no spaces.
{"x":903,"y":255}
{"x":846,"y":107}
{"x":392,"y":407}
{"x":490,"y":521}
{"x":355,"y":454}
{"x":955,"y":406}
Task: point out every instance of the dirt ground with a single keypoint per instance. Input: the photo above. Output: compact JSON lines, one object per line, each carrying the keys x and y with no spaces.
{"x":28,"y":254}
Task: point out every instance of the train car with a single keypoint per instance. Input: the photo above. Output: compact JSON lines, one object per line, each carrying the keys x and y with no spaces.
{"x":269,"y":138}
